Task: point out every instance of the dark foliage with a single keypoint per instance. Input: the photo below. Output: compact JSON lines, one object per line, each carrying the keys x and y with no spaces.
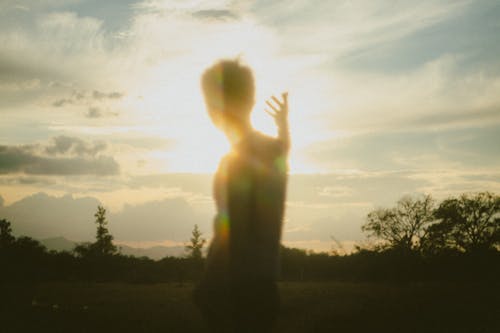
{"x":403,"y":226}
{"x":195,"y":247}
{"x":469,"y":223}
{"x":6,"y":237}
{"x":27,"y":260}
{"x":464,"y":238}
{"x":103,"y":246}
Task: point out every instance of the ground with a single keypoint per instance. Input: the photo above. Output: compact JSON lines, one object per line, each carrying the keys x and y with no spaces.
{"x":306,"y":307}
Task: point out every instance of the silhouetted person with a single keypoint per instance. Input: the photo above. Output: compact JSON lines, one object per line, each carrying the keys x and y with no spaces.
{"x":238,"y":292}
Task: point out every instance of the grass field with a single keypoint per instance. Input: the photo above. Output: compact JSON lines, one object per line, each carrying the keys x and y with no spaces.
{"x":306,"y":307}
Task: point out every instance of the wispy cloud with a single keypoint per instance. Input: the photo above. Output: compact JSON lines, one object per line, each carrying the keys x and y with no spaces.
{"x":387,"y":98}
{"x":63,"y":156}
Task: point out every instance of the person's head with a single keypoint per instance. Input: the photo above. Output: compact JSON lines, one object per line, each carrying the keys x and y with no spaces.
{"x":229,"y":92}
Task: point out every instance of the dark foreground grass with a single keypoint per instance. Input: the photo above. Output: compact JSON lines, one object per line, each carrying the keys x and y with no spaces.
{"x":306,"y":307}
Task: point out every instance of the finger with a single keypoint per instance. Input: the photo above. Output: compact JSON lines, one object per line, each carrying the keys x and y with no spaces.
{"x":277,"y":101}
{"x":285,"y":97}
{"x":285,"y":103}
{"x":274,"y":108}
{"x":272,"y":114}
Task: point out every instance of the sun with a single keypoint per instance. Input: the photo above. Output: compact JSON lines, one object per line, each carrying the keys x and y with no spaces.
{"x":171,"y":104}
{"x":175,"y":111}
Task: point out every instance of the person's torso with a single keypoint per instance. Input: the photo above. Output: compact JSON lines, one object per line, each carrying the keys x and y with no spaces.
{"x":249,"y":191}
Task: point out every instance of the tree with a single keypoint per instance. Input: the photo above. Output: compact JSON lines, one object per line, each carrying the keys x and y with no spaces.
{"x":6,"y":237}
{"x":467,"y":223}
{"x":29,"y":248}
{"x":403,"y":226}
{"x":194,"y":249}
{"x":104,"y":240}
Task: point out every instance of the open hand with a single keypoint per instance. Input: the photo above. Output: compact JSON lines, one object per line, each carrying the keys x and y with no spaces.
{"x":278,"y":110}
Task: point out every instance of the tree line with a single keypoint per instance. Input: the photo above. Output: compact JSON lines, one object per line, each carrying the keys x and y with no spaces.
{"x":417,"y":239}
{"x":467,"y":223}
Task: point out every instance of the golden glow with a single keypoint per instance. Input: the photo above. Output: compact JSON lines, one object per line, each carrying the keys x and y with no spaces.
{"x":167,"y":98}
{"x":176,"y":111}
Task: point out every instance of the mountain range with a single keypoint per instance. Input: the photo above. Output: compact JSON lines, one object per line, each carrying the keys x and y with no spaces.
{"x":155,"y":252}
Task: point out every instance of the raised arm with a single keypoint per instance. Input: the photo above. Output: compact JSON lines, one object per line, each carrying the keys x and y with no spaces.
{"x":279,"y":111}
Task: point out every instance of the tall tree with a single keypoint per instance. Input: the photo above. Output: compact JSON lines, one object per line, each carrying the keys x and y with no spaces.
{"x":467,"y":223}
{"x":402,"y":226}
{"x":104,"y":240}
{"x":195,"y":247}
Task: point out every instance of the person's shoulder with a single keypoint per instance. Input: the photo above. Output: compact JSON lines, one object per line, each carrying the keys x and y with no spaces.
{"x":224,"y":163}
{"x":260,"y":139}
{"x":267,"y":143}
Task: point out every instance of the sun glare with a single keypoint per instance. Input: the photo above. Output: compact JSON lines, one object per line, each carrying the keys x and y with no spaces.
{"x":168,"y":98}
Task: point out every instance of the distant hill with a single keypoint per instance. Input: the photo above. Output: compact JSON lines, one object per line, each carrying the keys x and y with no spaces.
{"x":155,"y":252}
{"x":58,"y":244}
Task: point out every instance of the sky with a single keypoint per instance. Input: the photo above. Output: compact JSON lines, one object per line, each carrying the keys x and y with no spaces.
{"x":100,"y":103}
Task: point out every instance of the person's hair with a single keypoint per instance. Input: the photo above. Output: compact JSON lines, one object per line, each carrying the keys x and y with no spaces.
{"x":228,"y":89}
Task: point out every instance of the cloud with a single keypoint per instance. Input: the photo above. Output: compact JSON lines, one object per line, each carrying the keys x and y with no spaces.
{"x":215,"y":14}
{"x":62,"y":156}
{"x":96,"y":102}
{"x":62,"y":102}
{"x":56,"y":35}
{"x":438,"y":94}
{"x":115,"y":14}
{"x":99,"y":95}
{"x":195,"y":183}
{"x":21,"y":83}
{"x":74,"y":146}
{"x":387,"y":98}
{"x":468,"y":31}
{"x":42,"y":216}
{"x":459,"y":118}
{"x":37,"y":181}
{"x":466,"y":148}
{"x":93,"y":112}
{"x":83,"y":97}
{"x":171,"y":219}
{"x":51,"y":46}
{"x":16,"y":160}
{"x":340,"y":28}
